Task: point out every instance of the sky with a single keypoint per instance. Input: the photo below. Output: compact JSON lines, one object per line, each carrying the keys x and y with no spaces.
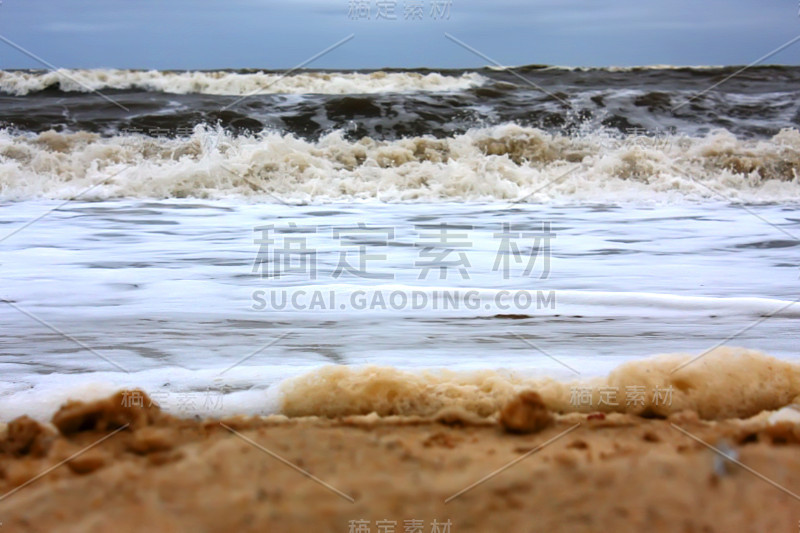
{"x":269,"y":34}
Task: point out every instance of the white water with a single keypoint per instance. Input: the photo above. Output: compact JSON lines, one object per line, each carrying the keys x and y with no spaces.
{"x":231,"y":83}
{"x":501,"y":163}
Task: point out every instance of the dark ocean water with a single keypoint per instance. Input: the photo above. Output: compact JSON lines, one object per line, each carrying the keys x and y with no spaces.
{"x":391,"y":104}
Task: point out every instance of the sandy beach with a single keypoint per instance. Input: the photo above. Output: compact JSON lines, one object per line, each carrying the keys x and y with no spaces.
{"x":101,"y":466}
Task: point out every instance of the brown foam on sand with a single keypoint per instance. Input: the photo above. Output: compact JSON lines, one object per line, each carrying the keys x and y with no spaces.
{"x":723,"y":383}
{"x":103,"y":466}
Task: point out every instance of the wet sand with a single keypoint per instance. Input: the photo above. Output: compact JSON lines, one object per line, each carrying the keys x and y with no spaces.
{"x":573,"y":472}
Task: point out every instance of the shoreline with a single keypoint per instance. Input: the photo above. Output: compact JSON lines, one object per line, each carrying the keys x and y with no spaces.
{"x":100,"y":465}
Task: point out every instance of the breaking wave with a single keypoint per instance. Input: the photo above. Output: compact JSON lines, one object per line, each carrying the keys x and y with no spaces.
{"x":501,"y":163}
{"x":21,"y":83}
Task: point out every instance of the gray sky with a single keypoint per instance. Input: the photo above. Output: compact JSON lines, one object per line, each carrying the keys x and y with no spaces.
{"x":208,"y":34}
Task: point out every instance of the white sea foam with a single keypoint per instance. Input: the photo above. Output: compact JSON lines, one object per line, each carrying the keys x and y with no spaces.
{"x":233,"y":83}
{"x":501,"y":163}
{"x":178,"y":391}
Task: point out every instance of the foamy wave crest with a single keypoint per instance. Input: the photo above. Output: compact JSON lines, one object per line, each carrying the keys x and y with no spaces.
{"x":233,"y":83}
{"x":501,"y":163}
{"x":724,"y":383}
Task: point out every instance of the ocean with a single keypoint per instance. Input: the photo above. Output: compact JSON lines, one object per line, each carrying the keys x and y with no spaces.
{"x":207,"y":236}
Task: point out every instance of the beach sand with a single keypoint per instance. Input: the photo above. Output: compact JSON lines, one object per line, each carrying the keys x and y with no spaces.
{"x":572,"y":472}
